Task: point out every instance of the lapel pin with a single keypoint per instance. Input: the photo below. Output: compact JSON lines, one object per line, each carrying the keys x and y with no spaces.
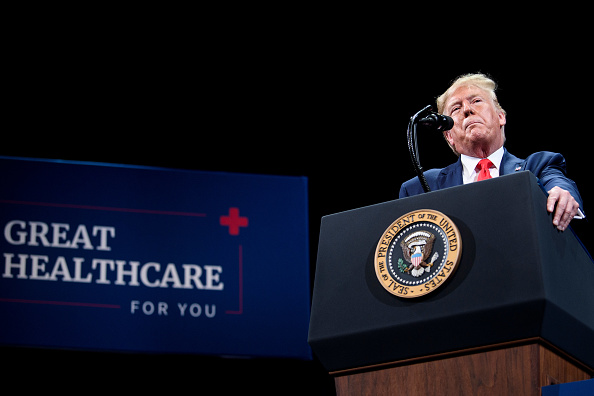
{"x":518,"y":168}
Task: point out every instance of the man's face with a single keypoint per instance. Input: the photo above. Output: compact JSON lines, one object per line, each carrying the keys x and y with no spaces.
{"x":477,"y":122}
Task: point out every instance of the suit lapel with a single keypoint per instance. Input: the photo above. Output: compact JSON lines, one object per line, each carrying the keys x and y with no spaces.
{"x":450,"y":176}
{"x":510,"y":164}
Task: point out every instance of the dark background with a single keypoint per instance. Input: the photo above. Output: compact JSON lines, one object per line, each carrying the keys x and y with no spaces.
{"x":330,"y":102}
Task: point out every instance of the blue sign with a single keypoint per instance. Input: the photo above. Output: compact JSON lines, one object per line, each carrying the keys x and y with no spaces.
{"x":110,"y":257}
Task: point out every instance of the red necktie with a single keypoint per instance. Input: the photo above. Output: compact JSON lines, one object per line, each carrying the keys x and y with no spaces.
{"x":483,"y":169}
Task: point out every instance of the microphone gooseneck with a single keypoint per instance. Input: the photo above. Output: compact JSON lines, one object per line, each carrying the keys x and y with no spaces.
{"x":428,"y":120}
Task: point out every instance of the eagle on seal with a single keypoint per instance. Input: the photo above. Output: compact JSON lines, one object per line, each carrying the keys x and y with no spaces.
{"x":416,"y":249}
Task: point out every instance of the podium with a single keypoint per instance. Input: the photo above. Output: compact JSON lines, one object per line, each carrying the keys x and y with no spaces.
{"x":516,"y":315}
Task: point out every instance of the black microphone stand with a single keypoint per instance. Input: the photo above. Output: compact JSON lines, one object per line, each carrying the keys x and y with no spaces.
{"x":413,"y":149}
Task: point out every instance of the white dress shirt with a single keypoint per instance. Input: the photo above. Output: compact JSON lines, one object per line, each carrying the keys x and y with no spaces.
{"x":469,"y":172}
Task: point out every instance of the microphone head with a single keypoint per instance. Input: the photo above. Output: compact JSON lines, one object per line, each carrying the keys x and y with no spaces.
{"x":438,"y":122}
{"x":448,"y":122}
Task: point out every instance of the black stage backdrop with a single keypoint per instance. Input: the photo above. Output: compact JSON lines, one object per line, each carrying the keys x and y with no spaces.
{"x":331,"y":106}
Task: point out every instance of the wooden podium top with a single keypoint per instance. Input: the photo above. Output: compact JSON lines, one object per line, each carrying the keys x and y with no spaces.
{"x":519,"y":368}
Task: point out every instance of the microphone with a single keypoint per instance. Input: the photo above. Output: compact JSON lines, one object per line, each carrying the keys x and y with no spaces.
{"x":430,"y":120}
{"x":438,"y":122}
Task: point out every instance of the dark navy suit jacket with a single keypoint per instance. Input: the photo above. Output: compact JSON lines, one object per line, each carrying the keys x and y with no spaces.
{"x":548,"y":167}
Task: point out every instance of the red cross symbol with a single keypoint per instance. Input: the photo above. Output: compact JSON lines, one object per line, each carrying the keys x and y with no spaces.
{"x":234,"y":221}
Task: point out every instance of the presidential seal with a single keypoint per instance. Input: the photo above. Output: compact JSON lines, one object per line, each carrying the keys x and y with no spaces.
{"x":417,"y":253}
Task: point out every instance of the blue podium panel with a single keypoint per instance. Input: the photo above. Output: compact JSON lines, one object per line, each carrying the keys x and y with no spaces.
{"x":578,"y":388}
{"x":111,"y":257}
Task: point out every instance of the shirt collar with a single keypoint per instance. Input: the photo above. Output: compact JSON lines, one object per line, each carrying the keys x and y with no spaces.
{"x":469,"y":163}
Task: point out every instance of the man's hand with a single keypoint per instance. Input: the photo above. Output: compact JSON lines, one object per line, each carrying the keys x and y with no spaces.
{"x":567,"y":207}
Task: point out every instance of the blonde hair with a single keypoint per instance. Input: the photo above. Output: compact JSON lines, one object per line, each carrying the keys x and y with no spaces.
{"x":478,"y":80}
{"x":473,"y":79}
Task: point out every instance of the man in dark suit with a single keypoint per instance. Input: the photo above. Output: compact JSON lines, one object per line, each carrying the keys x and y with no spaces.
{"x":477,"y":138}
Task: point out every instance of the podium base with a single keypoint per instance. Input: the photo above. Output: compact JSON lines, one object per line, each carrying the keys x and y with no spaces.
{"x":518,"y":368}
